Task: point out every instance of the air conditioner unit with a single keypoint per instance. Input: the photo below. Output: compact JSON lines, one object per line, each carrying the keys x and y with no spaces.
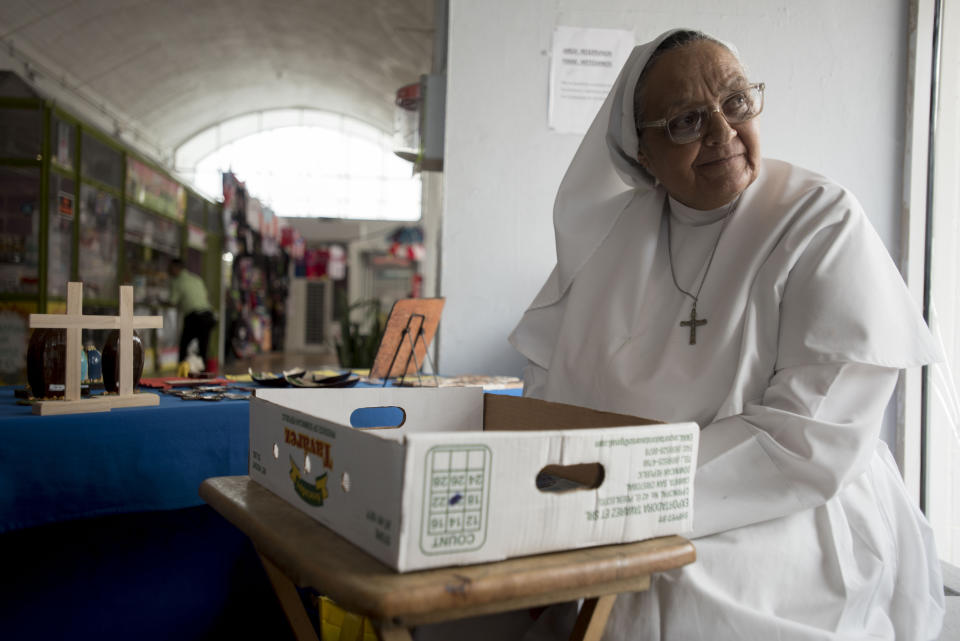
{"x":317,"y":313}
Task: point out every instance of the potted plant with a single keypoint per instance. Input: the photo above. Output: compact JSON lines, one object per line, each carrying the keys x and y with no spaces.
{"x":359,"y":339}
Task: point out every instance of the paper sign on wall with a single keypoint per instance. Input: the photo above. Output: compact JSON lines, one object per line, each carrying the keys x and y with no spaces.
{"x":584,"y":65}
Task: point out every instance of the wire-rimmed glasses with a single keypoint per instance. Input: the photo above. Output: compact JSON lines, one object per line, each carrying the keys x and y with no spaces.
{"x":691,"y":124}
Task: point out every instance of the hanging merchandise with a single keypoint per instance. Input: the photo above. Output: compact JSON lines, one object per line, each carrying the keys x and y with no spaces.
{"x":292,"y":241}
{"x":337,"y":263}
{"x":407,"y":242}
{"x":316,"y":262}
{"x":256,"y":310}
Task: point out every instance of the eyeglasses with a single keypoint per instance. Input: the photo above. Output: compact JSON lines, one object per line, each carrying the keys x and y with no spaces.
{"x":691,"y":124}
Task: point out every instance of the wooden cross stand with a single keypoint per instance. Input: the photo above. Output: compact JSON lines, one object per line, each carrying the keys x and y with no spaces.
{"x":75,"y":322}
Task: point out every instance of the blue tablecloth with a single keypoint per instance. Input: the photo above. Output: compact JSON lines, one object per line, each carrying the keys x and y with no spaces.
{"x":153,"y":562}
{"x":185,"y":574}
{"x":56,"y":468}
{"x":103,"y":534}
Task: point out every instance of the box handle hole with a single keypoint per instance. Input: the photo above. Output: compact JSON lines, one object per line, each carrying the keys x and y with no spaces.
{"x":378,"y":417}
{"x":570,"y":478}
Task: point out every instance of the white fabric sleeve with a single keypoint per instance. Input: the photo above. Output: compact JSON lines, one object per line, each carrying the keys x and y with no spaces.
{"x":844,"y":299}
{"x":815,"y":429}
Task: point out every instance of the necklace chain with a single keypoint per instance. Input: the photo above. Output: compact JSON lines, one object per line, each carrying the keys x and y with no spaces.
{"x":694,"y":297}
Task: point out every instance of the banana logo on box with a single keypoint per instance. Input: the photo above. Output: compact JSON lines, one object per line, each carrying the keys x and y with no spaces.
{"x":314,"y":493}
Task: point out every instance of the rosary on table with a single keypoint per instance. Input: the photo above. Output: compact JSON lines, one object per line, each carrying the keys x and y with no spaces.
{"x":694,"y":322}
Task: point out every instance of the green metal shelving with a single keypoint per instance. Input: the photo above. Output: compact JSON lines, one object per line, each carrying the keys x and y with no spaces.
{"x":58,"y":160}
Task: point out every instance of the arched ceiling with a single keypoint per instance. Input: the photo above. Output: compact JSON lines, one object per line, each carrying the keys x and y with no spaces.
{"x":166,"y":70}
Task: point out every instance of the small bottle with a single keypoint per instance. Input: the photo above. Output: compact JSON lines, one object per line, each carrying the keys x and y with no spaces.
{"x":83,"y":365}
{"x":94,"y":369}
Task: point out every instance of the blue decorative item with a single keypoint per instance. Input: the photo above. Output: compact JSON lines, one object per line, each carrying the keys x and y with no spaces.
{"x":83,"y":366}
{"x":94,"y":368}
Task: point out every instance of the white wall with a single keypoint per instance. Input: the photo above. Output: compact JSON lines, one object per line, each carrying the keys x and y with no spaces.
{"x":835,"y":74}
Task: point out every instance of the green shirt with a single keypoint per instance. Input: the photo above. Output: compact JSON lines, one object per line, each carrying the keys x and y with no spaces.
{"x":188,"y":292}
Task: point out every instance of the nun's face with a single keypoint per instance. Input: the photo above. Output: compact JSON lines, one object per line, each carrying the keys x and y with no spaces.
{"x":712,"y":171}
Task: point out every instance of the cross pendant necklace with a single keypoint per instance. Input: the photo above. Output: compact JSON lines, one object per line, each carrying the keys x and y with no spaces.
{"x":694,"y":322}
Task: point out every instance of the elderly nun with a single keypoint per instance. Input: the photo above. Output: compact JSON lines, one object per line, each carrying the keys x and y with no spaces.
{"x":697,"y":280}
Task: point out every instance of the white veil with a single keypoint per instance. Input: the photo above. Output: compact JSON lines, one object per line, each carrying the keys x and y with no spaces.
{"x":603,"y":177}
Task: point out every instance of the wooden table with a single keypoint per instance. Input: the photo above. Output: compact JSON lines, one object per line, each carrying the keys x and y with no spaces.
{"x":298,"y":551}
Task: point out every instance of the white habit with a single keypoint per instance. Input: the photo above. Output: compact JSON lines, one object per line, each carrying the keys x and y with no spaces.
{"x":803,"y":528}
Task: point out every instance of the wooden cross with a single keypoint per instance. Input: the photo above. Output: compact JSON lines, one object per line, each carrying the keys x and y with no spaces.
{"x":693,"y":323}
{"x":75,"y":322}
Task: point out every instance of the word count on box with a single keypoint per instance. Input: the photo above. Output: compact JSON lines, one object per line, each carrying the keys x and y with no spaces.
{"x":455,"y":481}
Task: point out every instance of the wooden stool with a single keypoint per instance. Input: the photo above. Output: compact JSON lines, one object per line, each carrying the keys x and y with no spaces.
{"x":298,"y":551}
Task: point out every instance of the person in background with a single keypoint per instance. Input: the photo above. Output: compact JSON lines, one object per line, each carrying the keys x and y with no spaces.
{"x":189,"y":295}
{"x":696,"y":280}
